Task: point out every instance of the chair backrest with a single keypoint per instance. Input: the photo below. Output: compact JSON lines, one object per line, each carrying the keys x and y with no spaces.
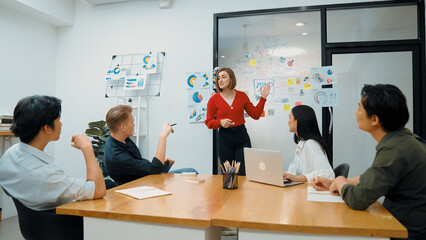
{"x":110,"y":183}
{"x":342,"y":170}
{"x":47,"y":224}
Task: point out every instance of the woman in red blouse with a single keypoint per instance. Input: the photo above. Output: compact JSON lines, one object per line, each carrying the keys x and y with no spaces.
{"x":225,"y":110}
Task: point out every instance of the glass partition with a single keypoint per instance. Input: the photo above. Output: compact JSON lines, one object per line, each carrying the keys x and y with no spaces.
{"x":352,"y":145}
{"x":276,"y":48}
{"x":372,"y":24}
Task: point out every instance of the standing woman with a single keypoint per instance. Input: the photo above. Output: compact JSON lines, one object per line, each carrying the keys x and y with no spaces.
{"x":311,"y":153}
{"x":225,"y":110}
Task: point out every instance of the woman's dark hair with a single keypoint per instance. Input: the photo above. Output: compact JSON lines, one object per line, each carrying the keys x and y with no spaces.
{"x":307,"y":127}
{"x":386,"y":102}
{"x":32,"y":113}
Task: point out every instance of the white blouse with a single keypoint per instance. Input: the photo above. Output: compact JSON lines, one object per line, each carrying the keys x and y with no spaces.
{"x":308,"y":156}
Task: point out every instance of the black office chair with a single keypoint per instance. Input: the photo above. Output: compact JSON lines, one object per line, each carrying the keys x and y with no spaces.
{"x":39,"y":225}
{"x":342,"y":170}
{"x":110,"y":184}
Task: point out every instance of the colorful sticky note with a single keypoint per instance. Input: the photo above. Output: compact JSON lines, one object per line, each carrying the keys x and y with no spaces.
{"x":287,"y":107}
{"x":306,"y":86}
{"x":253,"y":62}
{"x":291,"y":82}
{"x":298,"y":103}
{"x":263,"y":114}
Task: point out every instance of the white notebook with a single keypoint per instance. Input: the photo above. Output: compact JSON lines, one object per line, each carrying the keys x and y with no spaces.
{"x":322,"y":196}
{"x":143,"y":192}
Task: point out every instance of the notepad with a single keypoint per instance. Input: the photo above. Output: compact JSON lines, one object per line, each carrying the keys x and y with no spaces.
{"x":143,"y":192}
{"x":322,"y":196}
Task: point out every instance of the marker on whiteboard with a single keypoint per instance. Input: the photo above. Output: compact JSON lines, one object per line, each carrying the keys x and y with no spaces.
{"x":171,"y":125}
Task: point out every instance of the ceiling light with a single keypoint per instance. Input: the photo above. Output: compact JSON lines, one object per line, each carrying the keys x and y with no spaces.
{"x":222,"y":56}
{"x":299,"y":24}
{"x":305,"y":33}
{"x":245,"y":43}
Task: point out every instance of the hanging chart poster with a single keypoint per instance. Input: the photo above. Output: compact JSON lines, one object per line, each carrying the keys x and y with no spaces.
{"x":135,"y":82}
{"x":198,"y":92}
{"x":324,"y":75}
{"x":149,"y":64}
{"x":326,"y":97}
{"x":116,"y":72}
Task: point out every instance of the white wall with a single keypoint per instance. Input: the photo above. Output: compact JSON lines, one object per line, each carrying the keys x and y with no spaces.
{"x":28,"y":66}
{"x":27,"y":60}
{"x":184,"y":32}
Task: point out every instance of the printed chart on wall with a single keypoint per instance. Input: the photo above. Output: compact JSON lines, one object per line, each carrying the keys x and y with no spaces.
{"x":136,"y":74}
{"x":199,"y":91}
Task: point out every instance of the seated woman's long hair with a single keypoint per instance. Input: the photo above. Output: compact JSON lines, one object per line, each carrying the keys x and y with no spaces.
{"x":307,"y":127}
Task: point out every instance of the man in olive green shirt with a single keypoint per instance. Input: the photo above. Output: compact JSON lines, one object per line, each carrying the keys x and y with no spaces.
{"x":399,"y":168}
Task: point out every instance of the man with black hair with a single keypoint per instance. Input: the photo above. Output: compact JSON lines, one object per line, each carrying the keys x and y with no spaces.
{"x":399,"y":167}
{"x":29,"y":174}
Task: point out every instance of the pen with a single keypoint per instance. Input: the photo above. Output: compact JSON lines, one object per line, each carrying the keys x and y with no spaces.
{"x":319,"y":166}
{"x":171,"y":125}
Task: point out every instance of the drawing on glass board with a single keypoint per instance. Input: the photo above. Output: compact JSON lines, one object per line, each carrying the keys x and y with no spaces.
{"x":287,"y":67}
{"x":262,"y":83}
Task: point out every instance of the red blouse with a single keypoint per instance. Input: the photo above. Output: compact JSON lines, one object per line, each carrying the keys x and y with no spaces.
{"x":218,"y":107}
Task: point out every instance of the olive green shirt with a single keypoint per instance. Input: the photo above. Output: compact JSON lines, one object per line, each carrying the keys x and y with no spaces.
{"x":398,"y":172}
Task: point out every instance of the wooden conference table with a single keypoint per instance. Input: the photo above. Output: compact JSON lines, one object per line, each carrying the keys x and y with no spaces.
{"x":197,"y":210}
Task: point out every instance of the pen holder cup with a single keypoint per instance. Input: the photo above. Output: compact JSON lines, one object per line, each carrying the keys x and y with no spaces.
{"x":230,"y":181}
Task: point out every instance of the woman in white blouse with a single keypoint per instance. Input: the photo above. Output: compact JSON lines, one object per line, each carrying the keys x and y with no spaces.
{"x":311,"y":152}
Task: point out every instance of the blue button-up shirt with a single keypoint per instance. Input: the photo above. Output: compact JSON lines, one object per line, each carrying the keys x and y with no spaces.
{"x":31,"y":176}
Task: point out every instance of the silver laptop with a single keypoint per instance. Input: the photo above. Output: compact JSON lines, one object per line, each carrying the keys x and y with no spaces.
{"x":265,"y":166}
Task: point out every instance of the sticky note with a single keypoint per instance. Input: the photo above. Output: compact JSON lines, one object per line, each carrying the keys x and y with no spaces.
{"x":306,"y":86}
{"x":253,"y":62}
{"x":287,"y":107}
{"x":291,"y":82}
{"x":298,"y":103}
{"x":263,"y":114}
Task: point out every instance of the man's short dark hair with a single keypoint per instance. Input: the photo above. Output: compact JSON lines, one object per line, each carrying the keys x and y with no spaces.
{"x":386,"y":102}
{"x":32,"y":113}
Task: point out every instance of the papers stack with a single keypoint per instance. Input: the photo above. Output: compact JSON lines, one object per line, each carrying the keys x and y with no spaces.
{"x":143,"y":192}
{"x":322,"y":196}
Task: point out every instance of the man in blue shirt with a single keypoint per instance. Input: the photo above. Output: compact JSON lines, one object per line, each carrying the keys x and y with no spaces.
{"x":30,"y":175}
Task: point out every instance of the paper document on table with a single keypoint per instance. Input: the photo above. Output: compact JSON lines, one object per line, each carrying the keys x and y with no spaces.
{"x":322,"y":196}
{"x":143,"y":192}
